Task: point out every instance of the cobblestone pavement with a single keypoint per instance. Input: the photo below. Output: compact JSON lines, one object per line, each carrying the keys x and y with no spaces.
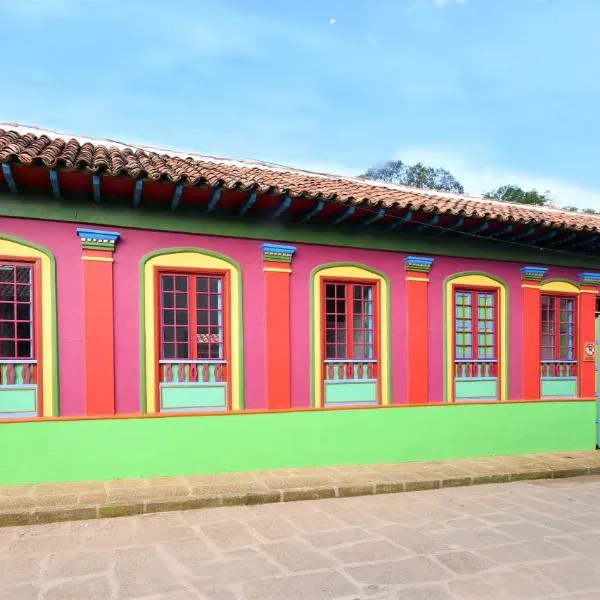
{"x":524,"y":540}
{"x":50,"y":502}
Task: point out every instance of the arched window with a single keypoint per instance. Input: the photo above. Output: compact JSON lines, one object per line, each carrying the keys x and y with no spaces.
{"x":28,"y":357}
{"x":559,"y":315}
{"x":192,"y":332}
{"x":476,"y":340}
{"x":350,"y":336}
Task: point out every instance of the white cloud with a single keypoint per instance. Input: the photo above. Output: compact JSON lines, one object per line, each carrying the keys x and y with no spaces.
{"x":478,"y":177}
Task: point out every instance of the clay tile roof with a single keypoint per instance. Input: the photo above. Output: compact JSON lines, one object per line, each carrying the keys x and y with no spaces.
{"x":33,"y":146}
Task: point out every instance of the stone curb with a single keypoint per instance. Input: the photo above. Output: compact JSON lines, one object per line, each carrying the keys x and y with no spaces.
{"x":50,"y":514}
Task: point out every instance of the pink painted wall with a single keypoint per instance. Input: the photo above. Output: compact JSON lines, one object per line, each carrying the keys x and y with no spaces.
{"x":132,"y":247}
{"x":443,"y":268}
{"x":61,"y":239}
{"x":306,"y":259}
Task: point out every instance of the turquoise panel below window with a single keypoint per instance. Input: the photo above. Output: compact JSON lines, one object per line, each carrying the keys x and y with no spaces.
{"x":476,"y":389}
{"x":16,"y":401}
{"x":360,"y":392}
{"x":193,"y":397}
{"x":559,"y":387}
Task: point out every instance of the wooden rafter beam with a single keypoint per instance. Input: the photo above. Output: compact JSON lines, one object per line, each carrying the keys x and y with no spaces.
{"x":8,"y":176}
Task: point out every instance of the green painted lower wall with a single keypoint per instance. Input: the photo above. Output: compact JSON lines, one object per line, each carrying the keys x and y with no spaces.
{"x":55,"y":451}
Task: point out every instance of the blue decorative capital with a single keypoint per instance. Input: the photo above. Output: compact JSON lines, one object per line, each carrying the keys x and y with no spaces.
{"x":533,"y":273}
{"x":589,"y":278}
{"x":421,"y":264}
{"x":277,"y":253}
{"x":95,"y":239}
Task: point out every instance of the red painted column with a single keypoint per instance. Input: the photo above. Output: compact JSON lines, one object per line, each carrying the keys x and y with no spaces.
{"x":417,"y":319}
{"x":99,"y":353}
{"x":277,"y":266}
{"x":587,"y":334}
{"x":531,"y":336}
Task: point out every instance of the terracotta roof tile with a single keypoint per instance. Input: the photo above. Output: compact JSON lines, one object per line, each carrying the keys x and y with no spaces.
{"x":31,"y":146}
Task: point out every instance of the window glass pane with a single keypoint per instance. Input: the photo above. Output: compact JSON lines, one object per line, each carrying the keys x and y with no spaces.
{"x":24,"y":349}
{"x":7,"y":310}
{"x":335,"y":320}
{"x":558,"y":328}
{"x":174,"y":321}
{"x":181,"y":300}
{"x":330,"y":351}
{"x":16,"y":311}
{"x":362,"y":321}
{"x":209,"y":317}
{"x":474,"y":314}
{"x":23,"y":312}
{"x":7,"y":273}
{"x":7,"y":292}
{"x":7,"y":349}
{"x":23,"y":293}
{"x":24,"y":330}
{"x":7,"y":329}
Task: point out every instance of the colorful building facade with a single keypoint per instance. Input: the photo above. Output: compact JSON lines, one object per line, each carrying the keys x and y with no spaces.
{"x":165,"y":314}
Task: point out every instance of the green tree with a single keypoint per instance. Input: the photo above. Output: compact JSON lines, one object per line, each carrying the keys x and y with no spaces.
{"x":513,"y":193}
{"x":419,"y":175}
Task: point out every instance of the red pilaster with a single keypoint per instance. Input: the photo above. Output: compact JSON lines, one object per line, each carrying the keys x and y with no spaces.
{"x":277,"y":266}
{"x":531,"y":340}
{"x":587,"y":334}
{"x":417,"y":313}
{"x":98,"y":248}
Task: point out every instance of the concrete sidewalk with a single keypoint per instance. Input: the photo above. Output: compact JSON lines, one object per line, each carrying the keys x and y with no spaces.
{"x":44,"y":503}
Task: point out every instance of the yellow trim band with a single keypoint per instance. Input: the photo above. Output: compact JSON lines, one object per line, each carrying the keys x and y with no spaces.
{"x":351,"y":272}
{"x":560,"y":286}
{"x":275,"y":270}
{"x":98,"y":258}
{"x":191,"y":260}
{"x":531,"y":287}
{"x":424,"y":280}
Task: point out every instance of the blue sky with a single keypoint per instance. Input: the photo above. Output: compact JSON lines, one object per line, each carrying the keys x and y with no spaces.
{"x":496,"y":91}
